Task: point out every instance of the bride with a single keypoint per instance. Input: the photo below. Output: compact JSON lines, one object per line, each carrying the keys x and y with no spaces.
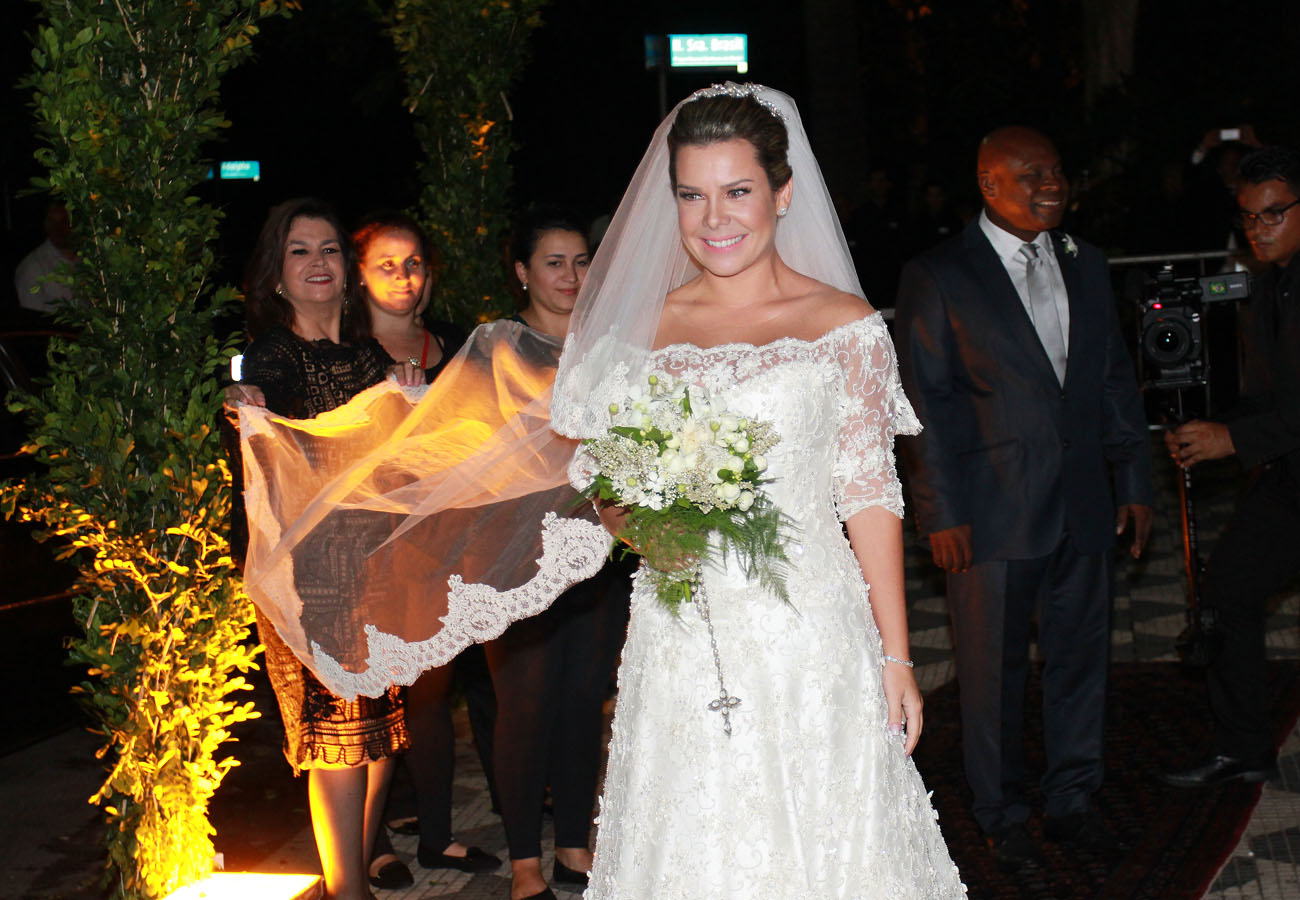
{"x":812,"y":791}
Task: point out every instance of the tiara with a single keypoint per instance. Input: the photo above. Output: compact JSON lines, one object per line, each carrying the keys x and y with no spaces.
{"x":731,"y":89}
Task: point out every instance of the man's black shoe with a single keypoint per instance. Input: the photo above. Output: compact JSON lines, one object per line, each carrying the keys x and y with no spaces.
{"x":1013,"y":849}
{"x":1087,"y":830}
{"x":1219,"y":769}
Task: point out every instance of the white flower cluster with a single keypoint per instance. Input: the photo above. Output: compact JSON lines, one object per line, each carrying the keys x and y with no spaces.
{"x":670,"y":442}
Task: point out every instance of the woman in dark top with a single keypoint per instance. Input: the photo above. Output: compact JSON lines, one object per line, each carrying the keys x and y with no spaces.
{"x":394,"y":279}
{"x":551,"y":672}
{"x":308,"y":357}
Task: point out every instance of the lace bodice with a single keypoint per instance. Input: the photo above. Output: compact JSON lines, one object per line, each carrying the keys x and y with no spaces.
{"x":837,"y":403}
{"x":303,"y":378}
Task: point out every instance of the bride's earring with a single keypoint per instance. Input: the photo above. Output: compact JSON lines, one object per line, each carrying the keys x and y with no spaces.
{"x":782,"y":211}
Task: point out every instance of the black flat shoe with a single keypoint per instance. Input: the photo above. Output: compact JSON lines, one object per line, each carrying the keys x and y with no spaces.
{"x":1220,"y":769}
{"x":392,"y":876}
{"x":564,"y":875}
{"x":408,"y":825}
{"x":474,"y":860}
{"x":546,"y":894}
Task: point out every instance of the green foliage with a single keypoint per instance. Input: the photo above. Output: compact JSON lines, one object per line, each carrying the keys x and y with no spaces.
{"x":133,"y":478}
{"x":460,"y":59}
{"x":676,"y":538}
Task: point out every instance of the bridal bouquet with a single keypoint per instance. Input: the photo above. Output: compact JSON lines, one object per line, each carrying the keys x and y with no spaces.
{"x":691,"y":476}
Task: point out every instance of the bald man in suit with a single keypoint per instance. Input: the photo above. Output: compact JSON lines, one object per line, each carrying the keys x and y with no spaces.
{"x":1035,"y":454}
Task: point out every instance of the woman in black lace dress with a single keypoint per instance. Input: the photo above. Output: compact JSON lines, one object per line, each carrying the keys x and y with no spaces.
{"x":307,"y":358}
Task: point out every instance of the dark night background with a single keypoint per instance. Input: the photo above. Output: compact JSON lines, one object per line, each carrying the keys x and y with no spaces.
{"x":906,"y":87}
{"x":900,"y":84}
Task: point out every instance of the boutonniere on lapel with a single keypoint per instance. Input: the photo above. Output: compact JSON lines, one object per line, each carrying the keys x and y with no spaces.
{"x":1067,"y":242}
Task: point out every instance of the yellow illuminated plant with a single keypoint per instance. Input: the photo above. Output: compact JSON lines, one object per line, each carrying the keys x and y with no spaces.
{"x":131,"y":476}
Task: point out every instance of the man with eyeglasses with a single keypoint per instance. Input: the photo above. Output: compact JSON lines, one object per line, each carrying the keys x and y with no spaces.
{"x":1256,"y":554}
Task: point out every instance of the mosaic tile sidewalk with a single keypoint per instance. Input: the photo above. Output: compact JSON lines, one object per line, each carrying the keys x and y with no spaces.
{"x":54,"y":834}
{"x":1148,"y":615}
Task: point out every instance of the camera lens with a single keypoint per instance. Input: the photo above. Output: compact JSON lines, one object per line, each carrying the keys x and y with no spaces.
{"x":1167,"y":342}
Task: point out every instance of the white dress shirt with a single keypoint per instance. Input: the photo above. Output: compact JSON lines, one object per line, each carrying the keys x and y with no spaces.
{"x":1007,"y":246}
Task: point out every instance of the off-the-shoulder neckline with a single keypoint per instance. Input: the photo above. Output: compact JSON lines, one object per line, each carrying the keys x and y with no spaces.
{"x":779,"y":342}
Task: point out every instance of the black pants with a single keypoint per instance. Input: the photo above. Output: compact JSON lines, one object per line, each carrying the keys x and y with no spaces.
{"x":993,"y":606}
{"x":1256,"y":555}
{"x":551,"y":674}
{"x":433,"y":740}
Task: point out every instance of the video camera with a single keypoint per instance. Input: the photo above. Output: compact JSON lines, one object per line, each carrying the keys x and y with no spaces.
{"x":1172,"y":343}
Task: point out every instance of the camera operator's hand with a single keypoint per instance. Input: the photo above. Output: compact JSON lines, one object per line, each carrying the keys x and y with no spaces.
{"x":1141,"y":516}
{"x":1198,"y":441}
{"x":952,"y":548}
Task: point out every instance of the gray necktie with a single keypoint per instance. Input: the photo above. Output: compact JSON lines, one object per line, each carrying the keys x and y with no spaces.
{"x":1042,"y":309}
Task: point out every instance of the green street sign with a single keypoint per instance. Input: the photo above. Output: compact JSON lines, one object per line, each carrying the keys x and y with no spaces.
{"x":714,"y":51}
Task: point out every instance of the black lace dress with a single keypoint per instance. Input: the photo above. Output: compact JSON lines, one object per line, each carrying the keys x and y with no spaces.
{"x":302,"y":379}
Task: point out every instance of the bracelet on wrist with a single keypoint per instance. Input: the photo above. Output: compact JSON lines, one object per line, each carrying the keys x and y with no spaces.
{"x":901,"y":662}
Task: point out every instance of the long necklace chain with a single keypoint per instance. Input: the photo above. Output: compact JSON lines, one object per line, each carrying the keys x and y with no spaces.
{"x":725,"y":702}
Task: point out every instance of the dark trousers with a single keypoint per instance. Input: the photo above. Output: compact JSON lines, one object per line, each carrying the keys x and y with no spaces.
{"x":992,"y":606}
{"x":551,"y":674}
{"x":1254,"y":557}
{"x":433,"y":741}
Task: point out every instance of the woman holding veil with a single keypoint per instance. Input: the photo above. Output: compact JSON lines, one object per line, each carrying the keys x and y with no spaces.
{"x":725,"y":268}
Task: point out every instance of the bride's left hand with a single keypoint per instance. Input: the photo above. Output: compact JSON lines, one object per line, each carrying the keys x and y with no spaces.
{"x":904,"y":699}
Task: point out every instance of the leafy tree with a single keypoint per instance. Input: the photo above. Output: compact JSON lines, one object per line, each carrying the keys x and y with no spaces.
{"x":460,"y":60}
{"x":132,"y":476}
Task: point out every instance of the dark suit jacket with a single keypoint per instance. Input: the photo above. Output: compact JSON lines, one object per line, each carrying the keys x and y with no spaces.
{"x":1265,"y":427}
{"x":1006,"y":448}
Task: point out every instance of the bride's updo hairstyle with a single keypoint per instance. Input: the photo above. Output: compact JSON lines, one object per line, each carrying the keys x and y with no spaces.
{"x":725,"y":117}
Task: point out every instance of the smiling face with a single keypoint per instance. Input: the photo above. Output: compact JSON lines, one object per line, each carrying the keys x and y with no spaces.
{"x":1023,"y":184}
{"x":726,"y":210}
{"x":393,"y":271}
{"x":1271,"y":243}
{"x":313,"y":273}
{"x":555,"y":271}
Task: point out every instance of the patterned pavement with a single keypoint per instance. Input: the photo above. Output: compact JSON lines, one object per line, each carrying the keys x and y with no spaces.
{"x":54,"y":836}
{"x":1149,"y":606}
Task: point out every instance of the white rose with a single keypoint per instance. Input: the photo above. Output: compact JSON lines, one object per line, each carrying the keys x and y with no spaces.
{"x":760,"y":462}
{"x":728,"y":492}
{"x":745,"y":501}
{"x":740,"y":444}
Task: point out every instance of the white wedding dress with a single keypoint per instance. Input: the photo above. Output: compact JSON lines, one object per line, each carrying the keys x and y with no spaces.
{"x":809,"y":797}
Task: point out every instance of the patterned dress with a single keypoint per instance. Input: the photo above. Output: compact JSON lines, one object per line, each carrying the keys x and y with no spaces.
{"x":302,"y":379}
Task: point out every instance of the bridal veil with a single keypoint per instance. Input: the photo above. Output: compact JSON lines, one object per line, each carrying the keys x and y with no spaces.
{"x":388,"y":534}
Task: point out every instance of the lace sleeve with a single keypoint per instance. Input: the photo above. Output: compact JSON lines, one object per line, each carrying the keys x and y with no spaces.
{"x":873,"y":410}
{"x":272,"y":364}
{"x":583,"y":468}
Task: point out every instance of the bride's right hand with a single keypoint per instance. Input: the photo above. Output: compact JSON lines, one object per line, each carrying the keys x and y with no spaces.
{"x":662,"y":558}
{"x":612,"y":516}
